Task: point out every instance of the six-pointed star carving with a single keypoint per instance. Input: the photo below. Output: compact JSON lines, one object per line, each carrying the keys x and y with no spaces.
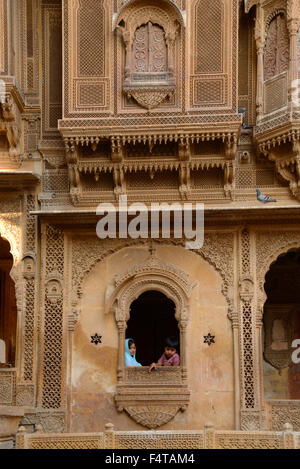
{"x":209,"y":339}
{"x":96,"y":339}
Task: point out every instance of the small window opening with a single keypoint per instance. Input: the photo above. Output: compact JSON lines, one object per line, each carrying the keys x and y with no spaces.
{"x":152,"y":320}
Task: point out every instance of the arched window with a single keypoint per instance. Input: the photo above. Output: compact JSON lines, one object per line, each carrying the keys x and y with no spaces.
{"x":150,"y":35}
{"x":150,"y":49}
{"x":152,"y":320}
{"x":276,"y":59}
{"x":282,"y":327}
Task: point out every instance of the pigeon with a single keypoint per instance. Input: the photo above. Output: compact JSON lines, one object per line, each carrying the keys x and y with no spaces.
{"x":264,"y":198}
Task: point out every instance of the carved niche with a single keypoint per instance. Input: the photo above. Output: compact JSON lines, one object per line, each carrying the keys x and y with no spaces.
{"x":151,"y":399}
{"x":149,"y":32}
{"x":278,"y":335}
{"x":277,"y":47}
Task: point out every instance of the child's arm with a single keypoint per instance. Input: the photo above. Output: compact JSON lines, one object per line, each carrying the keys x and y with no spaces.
{"x":155,"y":365}
{"x":176,"y":360}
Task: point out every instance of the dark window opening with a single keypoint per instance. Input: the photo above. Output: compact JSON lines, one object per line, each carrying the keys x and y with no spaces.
{"x":282,"y":327}
{"x":152,"y":320}
{"x":8,"y":308}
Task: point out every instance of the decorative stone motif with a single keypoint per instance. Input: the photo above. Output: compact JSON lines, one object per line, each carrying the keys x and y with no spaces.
{"x":152,"y":416}
{"x":25,"y":396}
{"x":7,"y":387}
{"x":96,"y":339}
{"x":147,"y":97}
{"x":285,"y":412}
{"x":209,"y":339}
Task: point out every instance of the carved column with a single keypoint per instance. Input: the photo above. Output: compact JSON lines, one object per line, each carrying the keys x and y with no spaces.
{"x":250,"y":398}
{"x":25,"y":389}
{"x":183,"y":327}
{"x":121,"y":359}
{"x":128,"y":46}
{"x":170,"y":39}
{"x":260,"y":39}
{"x":52,"y":337}
{"x":293,"y":27}
{"x":234,"y":317}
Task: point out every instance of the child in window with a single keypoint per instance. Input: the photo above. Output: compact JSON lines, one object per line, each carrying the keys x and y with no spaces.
{"x":170,"y":356}
{"x":130,"y":350}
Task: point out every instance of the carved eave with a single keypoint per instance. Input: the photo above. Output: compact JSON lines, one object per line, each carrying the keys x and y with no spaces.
{"x":227,"y":133}
{"x":274,"y":137}
{"x":90,"y":166}
{"x":282,"y":146}
{"x":17,"y":180}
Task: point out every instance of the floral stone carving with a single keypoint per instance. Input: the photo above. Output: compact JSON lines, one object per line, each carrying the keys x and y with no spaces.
{"x":152,"y":416}
{"x":149,"y":97}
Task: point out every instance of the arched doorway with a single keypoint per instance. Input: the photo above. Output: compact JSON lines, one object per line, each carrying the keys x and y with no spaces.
{"x":282,"y":327}
{"x":152,"y":320}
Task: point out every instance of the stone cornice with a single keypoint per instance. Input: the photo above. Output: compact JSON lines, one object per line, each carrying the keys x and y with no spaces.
{"x":268,"y":138}
{"x":14,"y":180}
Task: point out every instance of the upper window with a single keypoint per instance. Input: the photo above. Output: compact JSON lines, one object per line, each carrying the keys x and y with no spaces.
{"x":150,"y":49}
{"x":277,"y":48}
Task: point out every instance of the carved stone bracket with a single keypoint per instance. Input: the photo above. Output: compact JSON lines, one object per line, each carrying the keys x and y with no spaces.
{"x":10,"y":122}
{"x":149,"y":97}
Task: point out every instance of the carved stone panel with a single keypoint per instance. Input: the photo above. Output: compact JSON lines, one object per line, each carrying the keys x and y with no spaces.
{"x":276,"y":58}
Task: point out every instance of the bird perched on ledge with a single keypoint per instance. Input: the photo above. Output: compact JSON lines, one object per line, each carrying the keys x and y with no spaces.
{"x":264,"y":198}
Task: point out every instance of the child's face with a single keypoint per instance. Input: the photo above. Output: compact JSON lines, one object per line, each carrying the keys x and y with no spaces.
{"x":170,"y":351}
{"x":132,"y":350}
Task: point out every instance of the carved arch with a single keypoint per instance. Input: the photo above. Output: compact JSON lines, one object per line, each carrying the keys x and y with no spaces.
{"x":154,"y":274}
{"x":277,"y":48}
{"x":10,"y":231}
{"x":217,"y":251}
{"x":271,"y":16}
{"x":130,"y":5}
{"x":281,"y":244}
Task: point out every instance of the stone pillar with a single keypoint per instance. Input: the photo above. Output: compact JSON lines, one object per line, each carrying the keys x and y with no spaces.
{"x":293,"y":27}
{"x":236,"y":363}
{"x":121,"y":358}
{"x":183,"y":326}
{"x":109,"y":436}
{"x":209,"y":437}
{"x":259,"y":38}
{"x":250,"y":385}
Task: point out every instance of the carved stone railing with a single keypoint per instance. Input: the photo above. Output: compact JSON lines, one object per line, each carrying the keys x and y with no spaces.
{"x":283,"y":411}
{"x":141,"y":376}
{"x":152,"y":399}
{"x":7,"y":386}
{"x":207,"y":439}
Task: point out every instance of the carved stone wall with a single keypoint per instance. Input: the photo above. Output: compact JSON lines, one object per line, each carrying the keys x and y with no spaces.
{"x":213,"y":64}
{"x":52,"y":68}
{"x":88,"y":58}
{"x":30,"y":298}
{"x":52,"y":364}
{"x":277,"y":47}
{"x":282,"y":412}
{"x":3,"y":43}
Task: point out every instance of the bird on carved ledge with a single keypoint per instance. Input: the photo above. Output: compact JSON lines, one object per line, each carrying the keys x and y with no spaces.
{"x":263,"y":198}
